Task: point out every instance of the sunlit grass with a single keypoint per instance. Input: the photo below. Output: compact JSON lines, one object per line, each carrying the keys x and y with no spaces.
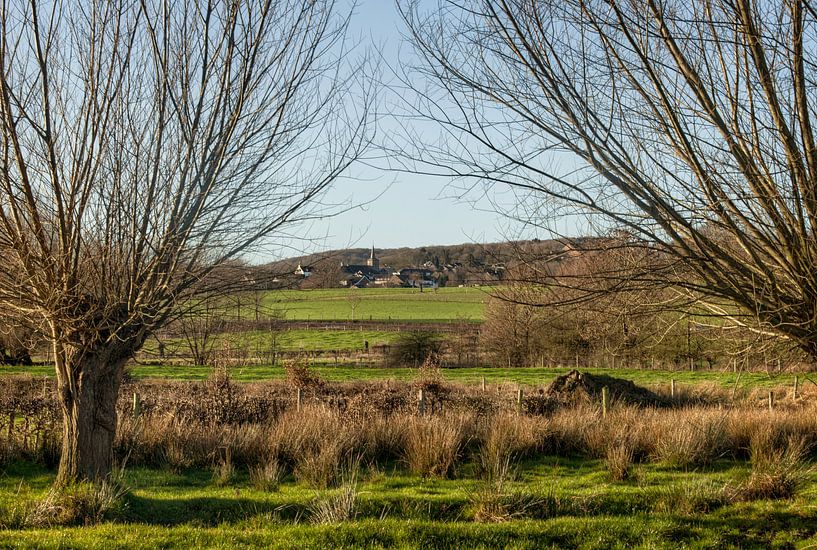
{"x":396,"y":510}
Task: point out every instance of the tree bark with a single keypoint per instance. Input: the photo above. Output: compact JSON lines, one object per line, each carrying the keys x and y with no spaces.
{"x":88,"y":396}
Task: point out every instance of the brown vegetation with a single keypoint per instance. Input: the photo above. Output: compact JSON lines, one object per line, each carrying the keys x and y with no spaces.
{"x":225,"y":426}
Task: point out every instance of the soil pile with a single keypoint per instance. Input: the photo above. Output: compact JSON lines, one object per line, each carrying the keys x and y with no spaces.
{"x":578,"y":386}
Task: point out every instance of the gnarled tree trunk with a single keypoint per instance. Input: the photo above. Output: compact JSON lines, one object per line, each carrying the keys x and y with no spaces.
{"x":88,"y":387}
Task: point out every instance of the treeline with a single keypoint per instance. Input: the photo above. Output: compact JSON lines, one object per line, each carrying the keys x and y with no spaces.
{"x":612,"y":302}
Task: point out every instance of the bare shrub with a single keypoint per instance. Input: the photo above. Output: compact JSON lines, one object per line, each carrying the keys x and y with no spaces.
{"x":413,"y":348}
{"x":430,"y":376}
{"x":299,"y":375}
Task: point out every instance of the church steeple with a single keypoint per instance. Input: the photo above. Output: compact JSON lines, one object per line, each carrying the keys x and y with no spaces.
{"x":373,"y":262}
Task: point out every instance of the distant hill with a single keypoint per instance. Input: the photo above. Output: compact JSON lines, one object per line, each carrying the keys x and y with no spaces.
{"x":474,"y":262}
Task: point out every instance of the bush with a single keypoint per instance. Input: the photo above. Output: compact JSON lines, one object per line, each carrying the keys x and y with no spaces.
{"x":414,"y":347}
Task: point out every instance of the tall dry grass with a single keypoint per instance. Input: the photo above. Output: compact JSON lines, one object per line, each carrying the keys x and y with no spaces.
{"x":194,"y":425}
{"x":434,"y":445}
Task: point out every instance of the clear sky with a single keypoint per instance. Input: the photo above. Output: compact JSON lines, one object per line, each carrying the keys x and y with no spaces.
{"x":402,"y":209}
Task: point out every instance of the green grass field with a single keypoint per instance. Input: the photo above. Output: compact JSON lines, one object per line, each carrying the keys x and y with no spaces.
{"x":444,"y":304}
{"x":536,"y":377}
{"x":287,"y":340}
{"x":577,"y":507}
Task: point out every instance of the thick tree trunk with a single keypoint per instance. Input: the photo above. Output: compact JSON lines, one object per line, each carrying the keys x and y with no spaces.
{"x":88,"y":396}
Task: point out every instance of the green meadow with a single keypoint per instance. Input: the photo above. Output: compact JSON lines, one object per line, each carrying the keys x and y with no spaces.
{"x":531,"y":376}
{"x":571,"y":504}
{"x":382,"y":304}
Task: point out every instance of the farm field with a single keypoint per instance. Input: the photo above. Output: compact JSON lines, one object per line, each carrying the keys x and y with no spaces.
{"x":444,"y":304}
{"x":573,"y":504}
{"x":289,"y":340}
{"x":529,"y":376}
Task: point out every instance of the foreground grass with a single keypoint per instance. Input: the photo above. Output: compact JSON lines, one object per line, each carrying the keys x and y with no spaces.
{"x":185,"y":509}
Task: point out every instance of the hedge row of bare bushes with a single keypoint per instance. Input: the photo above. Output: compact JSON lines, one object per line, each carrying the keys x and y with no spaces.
{"x":222,"y":425}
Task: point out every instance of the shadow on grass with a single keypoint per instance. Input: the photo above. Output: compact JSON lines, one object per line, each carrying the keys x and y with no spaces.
{"x":206,"y":511}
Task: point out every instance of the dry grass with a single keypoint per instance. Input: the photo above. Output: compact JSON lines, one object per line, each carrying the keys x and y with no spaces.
{"x":78,"y":504}
{"x":267,"y":476}
{"x":224,"y":469}
{"x":504,"y":440}
{"x":494,"y":505}
{"x":691,"y":498}
{"x":619,"y":461}
{"x":690,"y":438}
{"x":433,"y":444}
{"x":188,"y":425}
{"x":778,"y":471}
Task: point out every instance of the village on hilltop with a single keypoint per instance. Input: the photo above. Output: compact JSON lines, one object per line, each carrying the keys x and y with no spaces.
{"x":429,"y":275}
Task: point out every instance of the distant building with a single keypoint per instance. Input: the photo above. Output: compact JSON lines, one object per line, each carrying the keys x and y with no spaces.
{"x":353,"y":274}
{"x":418,"y":277}
{"x":373,"y":262}
{"x":303,"y":271}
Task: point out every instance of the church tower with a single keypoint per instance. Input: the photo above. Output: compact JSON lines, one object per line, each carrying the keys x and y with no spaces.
{"x":373,"y":262}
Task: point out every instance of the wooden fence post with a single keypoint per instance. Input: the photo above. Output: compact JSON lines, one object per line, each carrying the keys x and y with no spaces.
{"x":421,"y":405}
{"x":794,"y":391}
{"x":519,"y":401}
{"x":672,"y":388}
{"x":483,"y":384}
{"x":137,"y":406}
{"x":604,"y":402}
{"x":299,"y":396}
{"x":771,"y":400}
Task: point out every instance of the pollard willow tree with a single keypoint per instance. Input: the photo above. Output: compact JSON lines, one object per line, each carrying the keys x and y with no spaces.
{"x":687,"y":124}
{"x":143,"y":145}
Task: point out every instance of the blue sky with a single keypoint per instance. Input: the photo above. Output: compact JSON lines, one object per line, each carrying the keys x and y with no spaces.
{"x":409,"y":210}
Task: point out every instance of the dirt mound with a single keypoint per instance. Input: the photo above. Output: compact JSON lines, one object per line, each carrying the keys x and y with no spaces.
{"x":581,"y":386}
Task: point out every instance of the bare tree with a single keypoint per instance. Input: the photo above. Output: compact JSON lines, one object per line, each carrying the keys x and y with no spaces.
{"x":688,"y":124}
{"x":354,"y":298}
{"x":200,"y":329}
{"x":143,"y":145}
